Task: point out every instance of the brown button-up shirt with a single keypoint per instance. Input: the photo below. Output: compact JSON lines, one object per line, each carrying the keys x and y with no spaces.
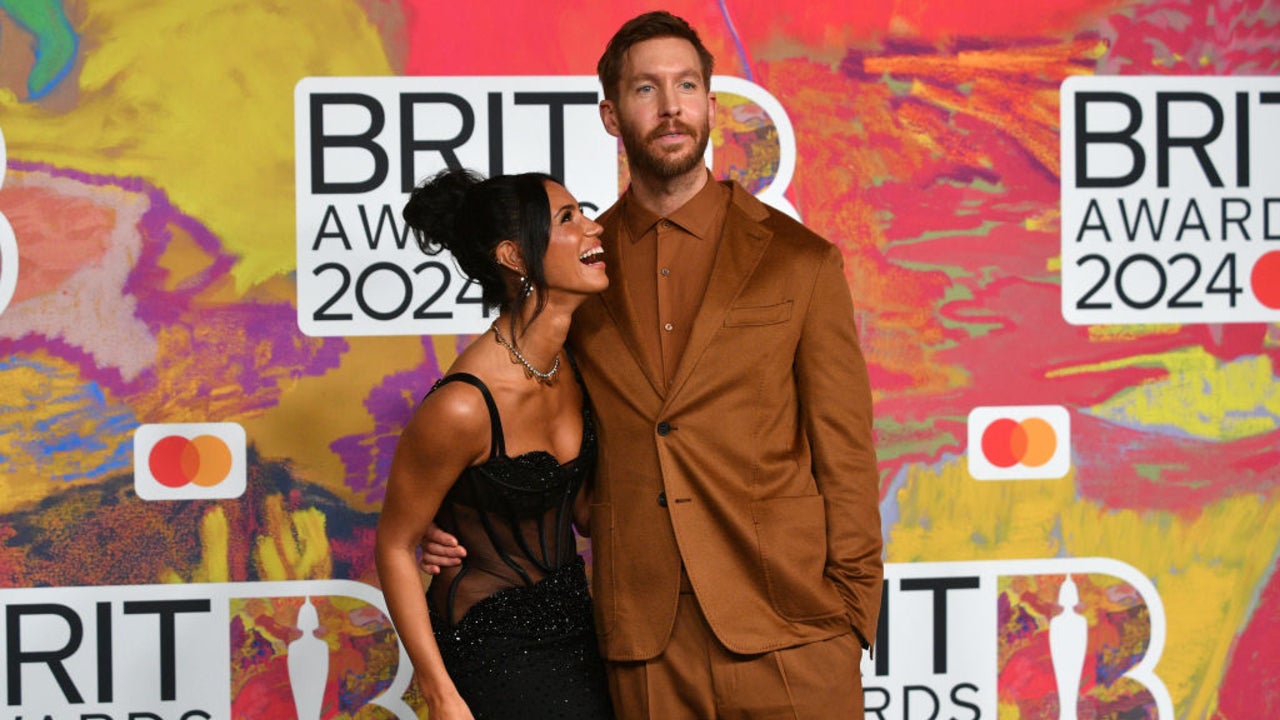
{"x":668,"y":266}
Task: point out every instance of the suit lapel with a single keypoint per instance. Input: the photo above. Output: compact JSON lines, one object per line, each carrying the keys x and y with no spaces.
{"x":742,"y":243}
{"x":617,"y":301}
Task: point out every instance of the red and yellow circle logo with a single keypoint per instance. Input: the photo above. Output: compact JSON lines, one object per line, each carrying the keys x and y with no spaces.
{"x":176,"y":461}
{"x":1031,"y":442}
{"x":190,"y":461}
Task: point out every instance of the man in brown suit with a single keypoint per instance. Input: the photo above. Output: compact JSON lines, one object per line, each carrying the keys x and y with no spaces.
{"x":735,"y":526}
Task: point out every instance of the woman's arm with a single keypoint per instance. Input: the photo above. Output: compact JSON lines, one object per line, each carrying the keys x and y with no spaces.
{"x":439,"y":550}
{"x":449,"y":431}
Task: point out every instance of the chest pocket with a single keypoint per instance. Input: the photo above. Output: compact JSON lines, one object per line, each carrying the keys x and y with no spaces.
{"x":759,"y":315}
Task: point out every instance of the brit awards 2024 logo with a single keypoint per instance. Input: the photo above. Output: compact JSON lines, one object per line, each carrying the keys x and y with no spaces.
{"x":1056,"y":639}
{"x":189,"y":461}
{"x":301,"y":650}
{"x":1170,"y":199}
{"x":1019,"y":442}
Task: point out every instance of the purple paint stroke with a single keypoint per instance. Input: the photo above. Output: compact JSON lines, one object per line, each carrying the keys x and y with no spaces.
{"x":272,"y":323}
{"x":147,"y":274}
{"x":33,"y":344}
{"x":228,"y":359}
{"x":366,"y":457}
{"x":737,"y":40}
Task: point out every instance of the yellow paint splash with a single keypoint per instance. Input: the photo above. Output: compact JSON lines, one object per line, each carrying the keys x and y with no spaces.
{"x":332,"y":406}
{"x":1201,"y":396}
{"x":214,"y":552}
{"x":1008,"y":711}
{"x":294,"y":546}
{"x":446,"y":349}
{"x":214,"y":535}
{"x":197,"y":98}
{"x":1125,"y":333}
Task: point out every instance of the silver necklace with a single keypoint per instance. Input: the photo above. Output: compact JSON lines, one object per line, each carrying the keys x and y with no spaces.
{"x":529,"y":370}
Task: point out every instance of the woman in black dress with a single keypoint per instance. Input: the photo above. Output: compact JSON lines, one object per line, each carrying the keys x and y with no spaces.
{"x":499,"y":454}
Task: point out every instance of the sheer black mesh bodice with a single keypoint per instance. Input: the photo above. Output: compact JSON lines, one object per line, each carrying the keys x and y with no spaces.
{"x":514,"y":515}
{"x":513,"y":622}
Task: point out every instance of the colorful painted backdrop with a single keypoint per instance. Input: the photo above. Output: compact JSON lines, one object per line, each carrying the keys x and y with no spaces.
{"x":148,"y":161}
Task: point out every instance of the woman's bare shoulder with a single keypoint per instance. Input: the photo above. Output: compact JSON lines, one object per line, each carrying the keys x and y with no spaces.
{"x":454,"y":417}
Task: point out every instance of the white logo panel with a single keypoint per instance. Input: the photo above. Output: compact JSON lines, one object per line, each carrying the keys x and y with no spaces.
{"x":1170,"y":199}
{"x":190,"y":461}
{"x":1019,"y":442}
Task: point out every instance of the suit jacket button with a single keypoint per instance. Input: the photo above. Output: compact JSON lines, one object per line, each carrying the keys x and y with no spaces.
{"x":664,"y":427}
{"x":662,"y":499}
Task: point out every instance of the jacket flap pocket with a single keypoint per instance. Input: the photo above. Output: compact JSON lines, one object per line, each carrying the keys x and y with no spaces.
{"x":759,"y":315}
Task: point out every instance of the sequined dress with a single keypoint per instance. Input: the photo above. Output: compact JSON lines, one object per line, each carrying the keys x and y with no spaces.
{"x":514,"y":622}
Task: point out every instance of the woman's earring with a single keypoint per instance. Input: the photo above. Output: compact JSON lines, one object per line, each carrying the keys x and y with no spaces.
{"x":526,"y":287}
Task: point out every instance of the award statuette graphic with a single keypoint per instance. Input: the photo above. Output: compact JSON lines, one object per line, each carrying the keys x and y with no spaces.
{"x":1068,"y":641}
{"x":308,"y":663}
{"x":312,"y":649}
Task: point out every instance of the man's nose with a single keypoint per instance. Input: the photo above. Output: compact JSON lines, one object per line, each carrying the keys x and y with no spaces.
{"x":668,"y":102}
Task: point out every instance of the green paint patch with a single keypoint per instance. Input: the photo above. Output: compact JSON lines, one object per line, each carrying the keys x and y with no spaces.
{"x":1155,"y":471}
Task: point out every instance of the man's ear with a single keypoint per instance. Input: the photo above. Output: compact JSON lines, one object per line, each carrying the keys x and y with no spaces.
{"x":508,"y":256}
{"x":609,"y":117}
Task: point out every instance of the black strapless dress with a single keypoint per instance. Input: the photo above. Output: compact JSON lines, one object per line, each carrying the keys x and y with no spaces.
{"x":514,"y":621}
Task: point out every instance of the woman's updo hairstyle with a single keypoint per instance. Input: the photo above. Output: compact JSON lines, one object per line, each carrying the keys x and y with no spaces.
{"x":460,"y":211}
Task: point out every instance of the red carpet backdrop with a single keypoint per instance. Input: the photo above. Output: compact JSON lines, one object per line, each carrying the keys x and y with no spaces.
{"x":1061,"y":227}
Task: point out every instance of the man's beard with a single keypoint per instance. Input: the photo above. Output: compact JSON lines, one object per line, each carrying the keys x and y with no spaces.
{"x":664,"y":166}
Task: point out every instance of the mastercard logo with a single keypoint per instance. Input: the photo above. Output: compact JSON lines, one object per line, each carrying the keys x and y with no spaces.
{"x":189,"y":461}
{"x":1019,"y":442}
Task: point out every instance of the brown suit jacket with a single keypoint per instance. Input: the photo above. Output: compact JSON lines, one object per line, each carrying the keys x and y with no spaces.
{"x":755,"y":467}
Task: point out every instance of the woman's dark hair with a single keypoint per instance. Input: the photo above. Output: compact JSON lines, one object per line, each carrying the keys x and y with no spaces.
{"x":656,"y":24}
{"x":460,"y":211}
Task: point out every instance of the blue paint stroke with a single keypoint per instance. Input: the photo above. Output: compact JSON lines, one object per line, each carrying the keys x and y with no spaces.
{"x":737,"y":41}
{"x":78,"y":430}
